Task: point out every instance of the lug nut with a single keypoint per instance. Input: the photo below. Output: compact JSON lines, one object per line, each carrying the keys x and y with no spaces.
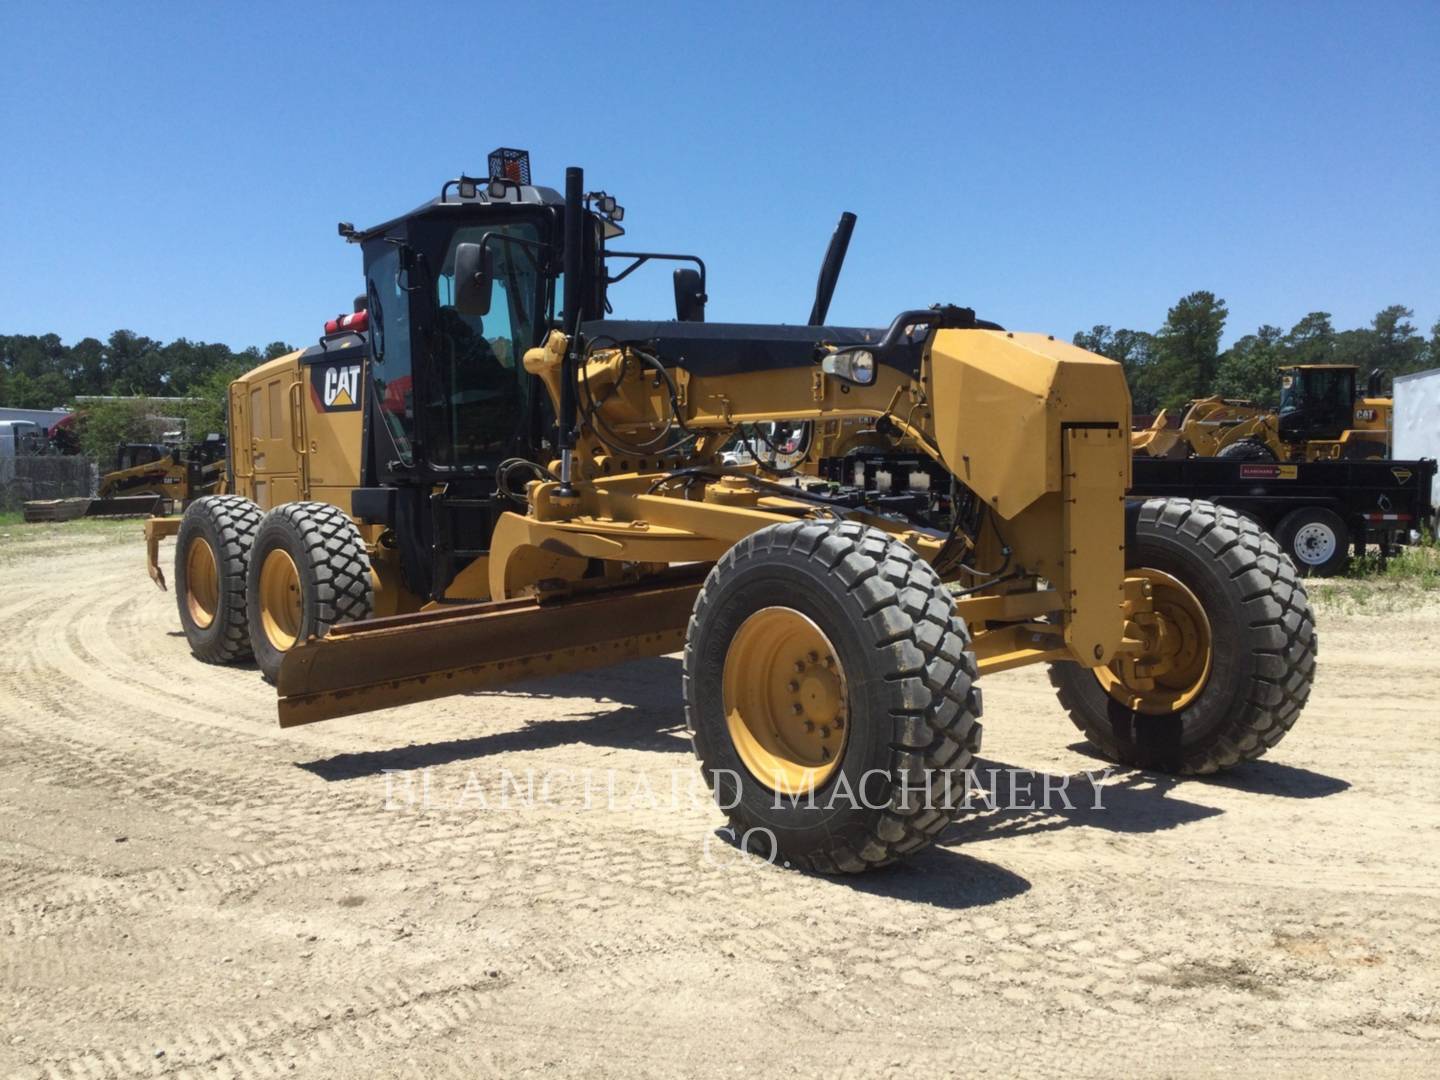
{"x":793,"y":686}
{"x":797,"y":709}
{"x":809,"y":725}
{"x":824,"y":732}
{"x":799,"y":666}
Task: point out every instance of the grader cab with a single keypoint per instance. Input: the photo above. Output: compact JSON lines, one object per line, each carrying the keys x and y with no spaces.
{"x":482,"y":478}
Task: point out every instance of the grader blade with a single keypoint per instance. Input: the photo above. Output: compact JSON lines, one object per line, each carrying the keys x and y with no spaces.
{"x":379,"y":663}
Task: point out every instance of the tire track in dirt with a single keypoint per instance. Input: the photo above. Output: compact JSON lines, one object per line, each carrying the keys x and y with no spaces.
{"x":1051,"y":937}
{"x":396,"y":1012}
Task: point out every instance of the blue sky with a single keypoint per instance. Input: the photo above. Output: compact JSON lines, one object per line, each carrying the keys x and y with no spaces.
{"x":178,"y":169}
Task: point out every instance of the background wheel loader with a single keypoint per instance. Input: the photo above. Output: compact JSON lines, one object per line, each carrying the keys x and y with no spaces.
{"x":1321,"y":418}
{"x":482,"y":478}
{"x":172,"y":471}
{"x":148,"y":478}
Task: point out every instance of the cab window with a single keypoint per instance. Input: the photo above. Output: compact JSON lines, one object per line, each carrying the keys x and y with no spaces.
{"x":390,"y":349}
{"x":479,"y":401}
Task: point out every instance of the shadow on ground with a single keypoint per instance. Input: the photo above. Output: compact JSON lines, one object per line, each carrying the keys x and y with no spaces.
{"x":1010,"y":801}
{"x":640,"y":710}
{"x":936,"y":876}
{"x":940,"y":878}
{"x":1263,"y":777}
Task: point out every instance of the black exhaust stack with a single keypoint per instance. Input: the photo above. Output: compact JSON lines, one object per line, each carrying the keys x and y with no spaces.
{"x":573,"y":299}
{"x":830,"y":268}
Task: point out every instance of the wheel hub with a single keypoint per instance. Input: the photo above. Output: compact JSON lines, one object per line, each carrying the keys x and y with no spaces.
{"x":785,"y":700}
{"x":1315,"y":543}
{"x":1173,"y":666}
{"x":280,"y":611}
{"x":202,"y":583}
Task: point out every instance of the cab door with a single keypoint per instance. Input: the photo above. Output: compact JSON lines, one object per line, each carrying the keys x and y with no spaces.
{"x":238,"y":440}
{"x":276,"y":434}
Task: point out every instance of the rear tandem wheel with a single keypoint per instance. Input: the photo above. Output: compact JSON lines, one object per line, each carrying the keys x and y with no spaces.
{"x":308,"y":571}
{"x":212,"y":554}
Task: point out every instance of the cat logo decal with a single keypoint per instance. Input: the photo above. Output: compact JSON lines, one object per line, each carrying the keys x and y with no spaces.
{"x":336,"y":387}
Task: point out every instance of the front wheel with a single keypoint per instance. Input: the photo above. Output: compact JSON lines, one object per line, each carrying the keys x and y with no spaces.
{"x":830,"y":697}
{"x":1362,"y":450}
{"x":308,"y":571}
{"x":1246,"y":450}
{"x":1229,"y":650}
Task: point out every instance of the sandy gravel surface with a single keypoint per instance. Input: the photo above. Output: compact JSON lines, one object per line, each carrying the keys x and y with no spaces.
{"x":187,"y":890}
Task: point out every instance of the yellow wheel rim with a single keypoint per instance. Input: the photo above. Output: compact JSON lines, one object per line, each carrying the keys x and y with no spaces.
{"x":785,"y":701}
{"x":202,"y":583}
{"x":1173,"y":668}
{"x":280,"y":599}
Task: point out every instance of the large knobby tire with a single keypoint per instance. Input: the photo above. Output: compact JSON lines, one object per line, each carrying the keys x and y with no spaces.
{"x":212,"y":554}
{"x":1362,"y":450}
{"x":1246,"y":450}
{"x":1316,"y":539}
{"x":308,"y":571}
{"x":831,"y":621}
{"x":1217,"y":575}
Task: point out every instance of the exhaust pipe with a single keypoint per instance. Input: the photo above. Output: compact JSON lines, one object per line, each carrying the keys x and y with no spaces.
{"x":574,"y":299}
{"x":830,"y":268}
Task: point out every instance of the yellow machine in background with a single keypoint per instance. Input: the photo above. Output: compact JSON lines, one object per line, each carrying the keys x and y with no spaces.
{"x":1321,"y":418}
{"x":487,"y":483}
{"x":1203,"y":429}
{"x":171,"y":471}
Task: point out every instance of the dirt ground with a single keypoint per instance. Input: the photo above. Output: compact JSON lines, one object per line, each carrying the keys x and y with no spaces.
{"x":187,"y":890}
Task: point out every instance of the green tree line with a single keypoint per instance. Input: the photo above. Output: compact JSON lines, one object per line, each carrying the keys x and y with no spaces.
{"x":1182,"y":360}
{"x":42,"y":372}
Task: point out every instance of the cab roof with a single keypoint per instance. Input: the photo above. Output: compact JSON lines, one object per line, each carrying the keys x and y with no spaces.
{"x":525,"y":195}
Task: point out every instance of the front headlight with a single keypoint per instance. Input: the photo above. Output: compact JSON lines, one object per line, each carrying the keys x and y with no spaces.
{"x":856,"y":365}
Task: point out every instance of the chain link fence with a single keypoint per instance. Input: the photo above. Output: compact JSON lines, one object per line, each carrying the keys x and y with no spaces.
{"x":50,"y":476}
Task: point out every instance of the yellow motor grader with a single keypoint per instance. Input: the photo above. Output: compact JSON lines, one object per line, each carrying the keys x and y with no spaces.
{"x":483,"y":478}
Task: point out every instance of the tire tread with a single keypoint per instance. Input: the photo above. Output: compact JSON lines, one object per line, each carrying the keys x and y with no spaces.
{"x":921,"y":648}
{"x":235,"y":520}
{"x":1277,"y":601}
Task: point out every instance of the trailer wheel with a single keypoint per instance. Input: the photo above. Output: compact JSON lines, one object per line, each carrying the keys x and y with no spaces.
{"x":829,"y":694}
{"x":308,"y":571}
{"x":1316,"y":539}
{"x":212,"y":553}
{"x":1231,"y":647}
{"x":1246,"y":450}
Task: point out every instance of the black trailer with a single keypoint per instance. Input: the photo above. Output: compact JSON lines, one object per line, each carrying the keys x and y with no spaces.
{"x":1318,"y":510}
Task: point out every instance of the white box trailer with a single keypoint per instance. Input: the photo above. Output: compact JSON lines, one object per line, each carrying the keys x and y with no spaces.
{"x":20,"y":437}
{"x":1416,"y":430}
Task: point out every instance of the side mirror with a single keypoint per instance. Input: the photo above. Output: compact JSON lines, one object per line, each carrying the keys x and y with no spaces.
{"x":1374,"y":384}
{"x":689,"y":296}
{"x":474,"y":278}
